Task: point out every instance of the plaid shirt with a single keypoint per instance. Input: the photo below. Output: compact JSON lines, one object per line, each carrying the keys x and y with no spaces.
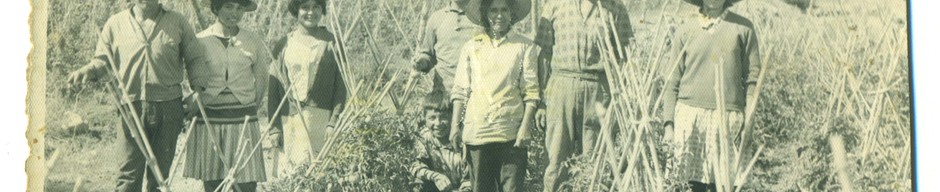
{"x":570,"y":36}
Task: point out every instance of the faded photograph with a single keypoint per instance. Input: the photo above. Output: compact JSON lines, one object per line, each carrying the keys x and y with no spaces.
{"x":470,"y":95}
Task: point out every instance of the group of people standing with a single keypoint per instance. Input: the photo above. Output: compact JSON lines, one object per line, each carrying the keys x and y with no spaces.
{"x":501,"y":84}
{"x":490,"y":86}
{"x":230,"y":69}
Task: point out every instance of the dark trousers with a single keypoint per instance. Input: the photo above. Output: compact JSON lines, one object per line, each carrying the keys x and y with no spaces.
{"x":497,"y":167}
{"x":162,"y":122}
{"x":209,"y":186}
{"x":695,"y":186}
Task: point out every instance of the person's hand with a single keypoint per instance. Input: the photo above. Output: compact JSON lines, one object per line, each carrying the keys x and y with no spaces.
{"x":442,"y":182}
{"x":421,"y":62}
{"x":454,"y":137}
{"x":190,"y":107}
{"x":668,"y":133}
{"x":275,"y":138}
{"x":540,"y":121}
{"x":80,"y":76}
{"x":465,"y":186}
{"x":521,"y":135}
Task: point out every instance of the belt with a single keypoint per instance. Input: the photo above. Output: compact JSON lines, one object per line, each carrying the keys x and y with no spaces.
{"x":588,"y":76}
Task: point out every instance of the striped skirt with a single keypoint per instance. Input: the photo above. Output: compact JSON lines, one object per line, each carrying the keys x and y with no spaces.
{"x":697,"y":140}
{"x":214,"y":149}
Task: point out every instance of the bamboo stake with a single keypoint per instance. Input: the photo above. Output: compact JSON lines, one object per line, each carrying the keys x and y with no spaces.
{"x":721,"y":165}
{"x":175,"y":166}
{"x":229,"y":180}
{"x":196,"y":12}
{"x":742,"y":177}
{"x":78,"y":183}
{"x":212,"y":139}
{"x":838,"y":155}
{"x":267,"y":129}
{"x":135,"y":128}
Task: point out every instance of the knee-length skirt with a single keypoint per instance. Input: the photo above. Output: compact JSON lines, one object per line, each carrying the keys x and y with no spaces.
{"x":226,"y":141}
{"x":698,"y":140}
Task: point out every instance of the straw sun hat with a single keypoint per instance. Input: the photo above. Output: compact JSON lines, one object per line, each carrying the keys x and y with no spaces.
{"x":520,"y":10}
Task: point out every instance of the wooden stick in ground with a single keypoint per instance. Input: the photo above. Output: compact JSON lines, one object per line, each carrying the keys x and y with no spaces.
{"x":839,"y":162}
{"x":78,"y":183}
{"x":742,"y":177}
{"x":267,"y":128}
{"x":197,"y":13}
{"x":135,"y":128}
{"x":344,"y":123}
{"x":212,"y":139}
{"x":334,"y":138}
{"x":720,"y":158}
{"x":229,"y":178}
{"x":176,"y":165}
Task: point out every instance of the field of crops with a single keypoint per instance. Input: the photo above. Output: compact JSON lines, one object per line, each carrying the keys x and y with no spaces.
{"x":833,"y":114}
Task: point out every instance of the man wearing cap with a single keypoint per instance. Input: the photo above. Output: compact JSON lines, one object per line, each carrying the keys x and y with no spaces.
{"x":446,"y":31}
{"x":574,"y":35}
{"x":147,"y":48}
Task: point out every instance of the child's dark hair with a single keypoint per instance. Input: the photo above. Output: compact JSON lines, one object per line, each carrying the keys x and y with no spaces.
{"x":436,"y":101}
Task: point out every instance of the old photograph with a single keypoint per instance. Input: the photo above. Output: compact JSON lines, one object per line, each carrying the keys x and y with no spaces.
{"x":470,"y":95}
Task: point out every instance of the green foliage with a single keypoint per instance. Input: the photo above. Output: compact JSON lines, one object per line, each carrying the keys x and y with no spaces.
{"x":372,"y":157}
{"x":841,"y":70}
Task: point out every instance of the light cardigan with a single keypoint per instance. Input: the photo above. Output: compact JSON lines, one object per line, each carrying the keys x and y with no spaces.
{"x":163,"y":55}
{"x":241,"y":67}
{"x":730,"y":45}
{"x":495,"y":80}
{"x":306,"y":64}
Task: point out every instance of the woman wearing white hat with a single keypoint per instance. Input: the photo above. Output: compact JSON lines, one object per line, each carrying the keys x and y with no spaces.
{"x":497,"y":80}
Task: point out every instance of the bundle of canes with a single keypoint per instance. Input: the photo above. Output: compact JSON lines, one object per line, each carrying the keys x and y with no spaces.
{"x":134,"y":125}
{"x":244,"y":156}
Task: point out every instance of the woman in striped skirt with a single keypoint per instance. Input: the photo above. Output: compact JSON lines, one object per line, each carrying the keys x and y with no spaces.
{"x":227,"y":128}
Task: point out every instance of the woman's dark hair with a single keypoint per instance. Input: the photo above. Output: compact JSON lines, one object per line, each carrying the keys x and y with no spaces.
{"x":215,"y":5}
{"x":701,"y":3}
{"x":294,"y":6}
{"x":484,"y":11}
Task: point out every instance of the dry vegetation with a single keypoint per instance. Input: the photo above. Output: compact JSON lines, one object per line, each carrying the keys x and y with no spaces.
{"x":834,"y":68}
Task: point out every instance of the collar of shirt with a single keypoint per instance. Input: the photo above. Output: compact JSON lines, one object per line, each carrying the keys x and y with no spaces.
{"x":217,"y":29}
{"x":494,"y":42}
{"x":708,"y":23}
{"x":453,"y":7}
{"x":160,"y":11}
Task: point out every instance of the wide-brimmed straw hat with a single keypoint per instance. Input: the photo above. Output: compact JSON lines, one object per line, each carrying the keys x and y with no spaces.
{"x":699,"y":2}
{"x":247,"y":5}
{"x":520,"y":10}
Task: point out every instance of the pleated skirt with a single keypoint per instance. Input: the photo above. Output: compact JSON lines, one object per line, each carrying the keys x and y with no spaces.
{"x":226,"y":144}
